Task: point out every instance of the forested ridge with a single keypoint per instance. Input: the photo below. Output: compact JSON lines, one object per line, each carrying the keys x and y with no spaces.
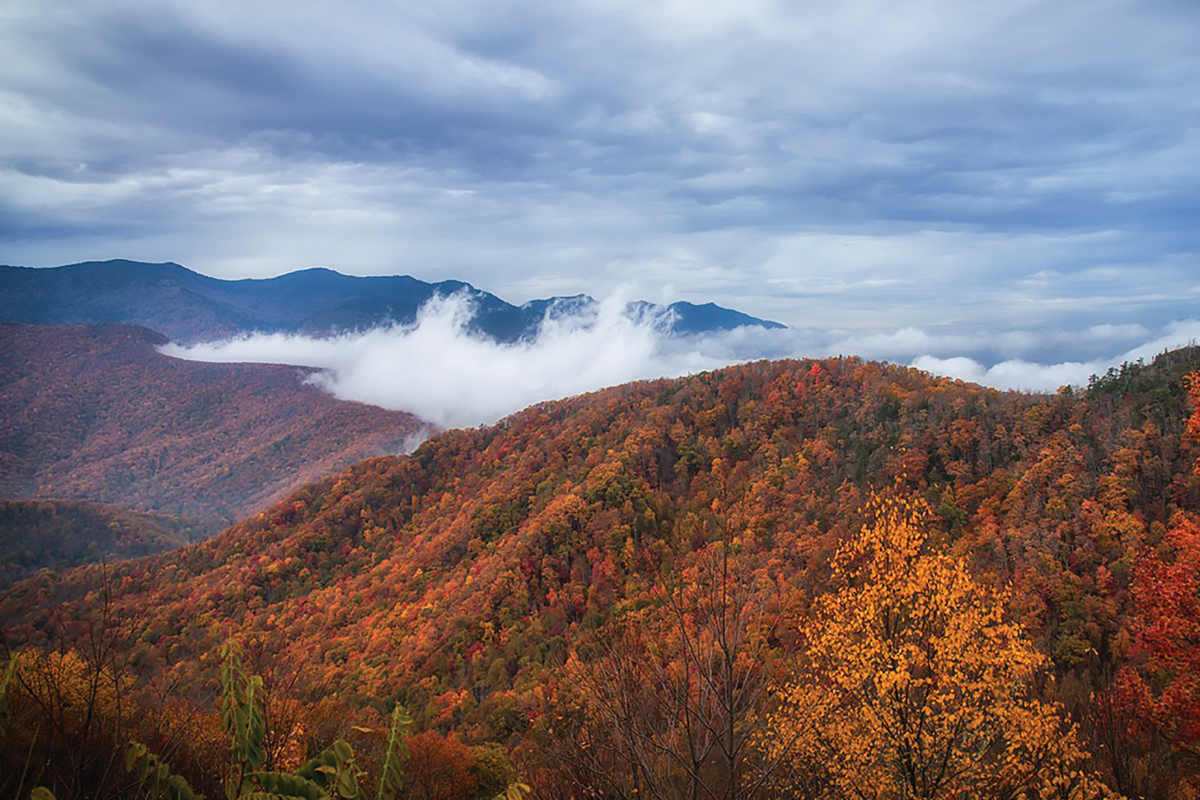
{"x":95,"y":413}
{"x":674,"y":588}
{"x":57,"y":534}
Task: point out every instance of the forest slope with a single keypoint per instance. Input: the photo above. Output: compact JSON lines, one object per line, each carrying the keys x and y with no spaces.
{"x":96,"y":413}
{"x":461,"y":579}
{"x":57,"y":534}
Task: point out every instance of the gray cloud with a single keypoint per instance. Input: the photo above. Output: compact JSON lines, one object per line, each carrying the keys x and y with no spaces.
{"x":862,"y":166}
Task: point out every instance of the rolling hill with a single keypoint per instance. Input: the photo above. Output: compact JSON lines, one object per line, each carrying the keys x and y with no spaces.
{"x":95,"y":413}
{"x":58,"y":534}
{"x":467,"y":578}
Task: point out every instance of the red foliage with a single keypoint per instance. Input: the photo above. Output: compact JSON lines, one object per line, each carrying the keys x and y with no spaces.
{"x":464,"y":576}
{"x":439,"y":768}
{"x":1167,"y":595}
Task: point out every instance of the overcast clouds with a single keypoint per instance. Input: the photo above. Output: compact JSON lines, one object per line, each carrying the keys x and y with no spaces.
{"x":989,"y":173}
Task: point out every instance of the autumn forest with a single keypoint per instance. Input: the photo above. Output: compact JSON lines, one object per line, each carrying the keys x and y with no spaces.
{"x":812,"y":579}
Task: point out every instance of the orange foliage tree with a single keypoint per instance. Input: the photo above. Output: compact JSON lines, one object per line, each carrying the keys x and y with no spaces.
{"x":914,"y":685}
{"x":439,"y":768}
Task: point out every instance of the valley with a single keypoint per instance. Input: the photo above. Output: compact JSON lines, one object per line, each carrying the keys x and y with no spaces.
{"x":95,"y":413}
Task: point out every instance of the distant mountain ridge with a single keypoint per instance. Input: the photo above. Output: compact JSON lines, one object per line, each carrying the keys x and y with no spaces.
{"x":188,"y":307}
{"x":96,"y":413}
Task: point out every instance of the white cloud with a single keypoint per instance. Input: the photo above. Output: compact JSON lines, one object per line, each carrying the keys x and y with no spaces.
{"x":446,"y":376}
{"x":1015,"y":374}
{"x":1027,"y":376}
{"x":436,"y":369}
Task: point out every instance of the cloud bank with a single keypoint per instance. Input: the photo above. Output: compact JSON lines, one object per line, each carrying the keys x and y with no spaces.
{"x":1026,"y":375}
{"x":439,"y":371}
{"x":447,"y":376}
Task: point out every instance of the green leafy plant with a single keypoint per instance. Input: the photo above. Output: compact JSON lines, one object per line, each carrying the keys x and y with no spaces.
{"x":333,"y":771}
{"x":156,"y":775}
{"x":331,"y":775}
{"x":391,"y":772}
{"x":242,"y":718}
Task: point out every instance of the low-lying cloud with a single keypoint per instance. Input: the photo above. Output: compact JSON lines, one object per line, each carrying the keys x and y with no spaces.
{"x":438,"y":370}
{"x":442,"y":373}
{"x":1022,"y":374}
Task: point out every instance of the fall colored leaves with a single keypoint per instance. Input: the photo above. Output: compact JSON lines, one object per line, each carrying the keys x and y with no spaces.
{"x":680,"y":539}
{"x":909,"y":681}
{"x":1161,"y":684}
{"x":912,"y":684}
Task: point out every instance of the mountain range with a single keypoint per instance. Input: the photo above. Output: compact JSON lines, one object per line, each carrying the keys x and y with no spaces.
{"x":188,"y":307}
{"x":92,"y":413}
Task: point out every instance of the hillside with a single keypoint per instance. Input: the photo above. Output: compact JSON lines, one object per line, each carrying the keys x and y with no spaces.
{"x":188,"y":307}
{"x":97,"y":414}
{"x":465,"y":579}
{"x":57,"y":534}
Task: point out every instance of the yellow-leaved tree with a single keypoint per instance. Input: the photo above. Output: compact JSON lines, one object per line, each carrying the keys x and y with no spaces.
{"x":913,"y":684}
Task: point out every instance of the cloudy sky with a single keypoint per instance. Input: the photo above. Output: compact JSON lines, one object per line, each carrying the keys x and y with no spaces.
{"x":939,"y":179}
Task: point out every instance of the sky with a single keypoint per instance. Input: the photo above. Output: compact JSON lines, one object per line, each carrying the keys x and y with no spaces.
{"x":959,"y":185}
